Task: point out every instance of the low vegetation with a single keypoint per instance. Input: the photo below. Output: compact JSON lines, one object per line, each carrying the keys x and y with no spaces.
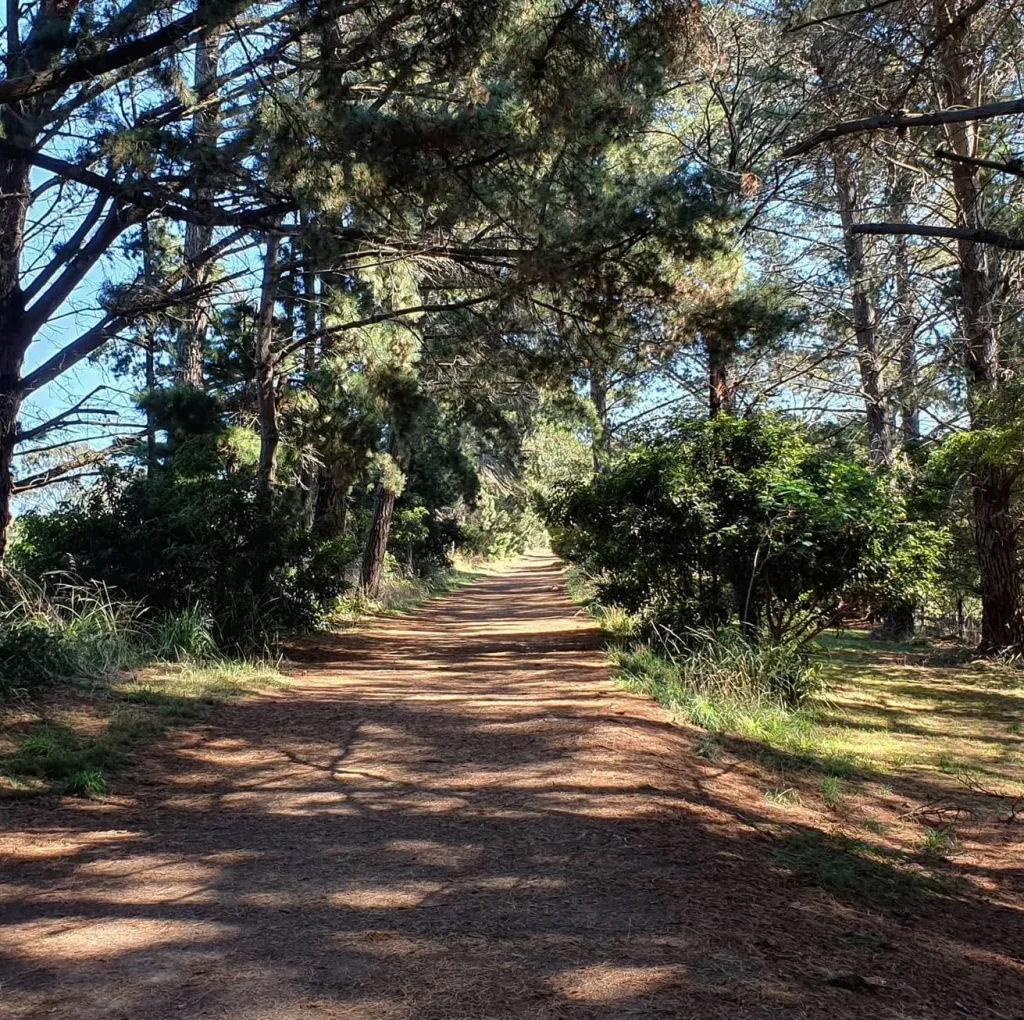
{"x":73,"y":737}
{"x":87,"y":676}
{"x":896,"y":763}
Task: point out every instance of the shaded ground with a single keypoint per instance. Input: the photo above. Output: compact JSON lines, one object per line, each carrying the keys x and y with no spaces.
{"x":459,"y":817}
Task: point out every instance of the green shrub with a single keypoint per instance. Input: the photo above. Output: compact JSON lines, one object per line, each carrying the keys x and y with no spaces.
{"x":749,"y":521}
{"x":31,"y":656}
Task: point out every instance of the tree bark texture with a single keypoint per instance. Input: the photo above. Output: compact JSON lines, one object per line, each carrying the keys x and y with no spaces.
{"x":995,"y":530}
{"x":865,"y":317}
{"x":266,"y":393}
{"x":380,"y":527}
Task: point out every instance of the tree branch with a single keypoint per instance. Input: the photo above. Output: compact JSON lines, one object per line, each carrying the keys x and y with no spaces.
{"x":86,"y":459}
{"x":1015,"y":166}
{"x":67,"y":251}
{"x":377,"y":317}
{"x":905,"y":119}
{"x":61,"y":419}
{"x":992,"y":237}
{"x":153,"y":198}
{"x":93,"y":339}
{"x":65,"y":75}
{"x":116,"y":223}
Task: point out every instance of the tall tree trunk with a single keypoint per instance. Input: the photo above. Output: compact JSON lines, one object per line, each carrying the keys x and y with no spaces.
{"x":906,"y":328}
{"x":19,"y":125}
{"x":377,"y":541}
{"x":995,"y":531}
{"x":266,"y":393}
{"x":14,"y":340}
{"x":865,"y":317}
{"x":149,"y":342}
{"x":380,"y":527}
{"x":721,"y":382}
{"x":601,"y":439}
{"x":331,"y":515}
{"x":199,"y":237}
{"x":310,"y":325}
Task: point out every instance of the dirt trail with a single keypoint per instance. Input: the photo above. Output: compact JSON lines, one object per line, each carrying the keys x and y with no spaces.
{"x":455,"y":816}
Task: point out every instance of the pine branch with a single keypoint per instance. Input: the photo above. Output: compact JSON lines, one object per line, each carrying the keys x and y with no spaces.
{"x":87,"y":459}
{"x":62,"y":419}
{"x":152,"y":198}
{"x":1014,"y":167}
{"x":63,"y":76}
{"x":93,"y":339}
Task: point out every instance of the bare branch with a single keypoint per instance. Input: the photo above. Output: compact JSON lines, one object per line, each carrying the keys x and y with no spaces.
{"x":905,"y":119}
{"x":992,"y":237}
{"x":1015,"y":166}
{"x":88,"y":458}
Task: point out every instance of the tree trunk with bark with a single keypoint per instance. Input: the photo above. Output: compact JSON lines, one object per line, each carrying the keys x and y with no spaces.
{"x":14,"y":338}
{"x":311,"y":468}
{"x":995,"y":529}
{"x":380,"y":527}
{"x":601,"y":439}
{"x":377,"y":541}
{"x":266,"y":392}
{"x":865,"y":317}
{"x":721,"y":380}
{"x":906,"y":330}
{"x":191,"y":345}
{"x":330,"y":519}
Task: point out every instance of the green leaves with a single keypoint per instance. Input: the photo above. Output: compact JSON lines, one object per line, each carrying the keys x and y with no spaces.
{"x":744,"y":520}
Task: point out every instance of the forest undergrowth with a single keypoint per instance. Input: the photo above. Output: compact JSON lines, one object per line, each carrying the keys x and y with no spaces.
{"x":899,"y":776}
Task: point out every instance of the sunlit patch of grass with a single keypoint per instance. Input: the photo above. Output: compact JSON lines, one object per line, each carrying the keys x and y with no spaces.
{"x":937,"y":843}
{"x":785,"y":795}
{"x":923,"y":717}
{"x":399,"y":595}
{"x":832,"y":792}
{"x":73,"y":746}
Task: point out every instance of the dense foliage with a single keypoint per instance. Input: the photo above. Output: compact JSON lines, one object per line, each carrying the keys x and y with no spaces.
{"x":748,"y":521}
{"x":353,"y":288}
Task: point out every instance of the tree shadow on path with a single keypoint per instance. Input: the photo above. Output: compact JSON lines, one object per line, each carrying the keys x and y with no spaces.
{"x":459,"y":817}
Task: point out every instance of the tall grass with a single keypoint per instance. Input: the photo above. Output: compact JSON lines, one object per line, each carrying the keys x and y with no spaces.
{"x":726,"y":665}
{"x":721,"y":680}
{"x":65,"y":630}
{"x":71,"y":630}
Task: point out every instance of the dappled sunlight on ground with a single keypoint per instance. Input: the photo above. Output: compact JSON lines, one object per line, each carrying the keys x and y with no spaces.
{"x":457,"y":816}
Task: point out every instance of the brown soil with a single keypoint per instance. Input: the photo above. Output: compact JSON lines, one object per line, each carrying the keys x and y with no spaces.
{"x":457,"y":816}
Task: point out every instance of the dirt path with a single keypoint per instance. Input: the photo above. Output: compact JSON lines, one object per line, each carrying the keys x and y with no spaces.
{"x":456,"y":817}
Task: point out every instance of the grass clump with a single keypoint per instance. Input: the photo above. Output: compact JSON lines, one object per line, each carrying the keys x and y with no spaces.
{"x":937,"y":843}
{"x":79,"y":631}
{"x":832,"y":792}
{"x":723,"y":681}
{"x":400,"y":593}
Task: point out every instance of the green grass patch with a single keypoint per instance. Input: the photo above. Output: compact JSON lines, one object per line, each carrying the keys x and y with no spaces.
{"x":74,"y":743}
{"x":399,"y":595}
